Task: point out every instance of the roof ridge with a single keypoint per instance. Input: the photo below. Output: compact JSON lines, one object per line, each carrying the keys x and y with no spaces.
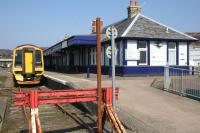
{"x":131,"y":25}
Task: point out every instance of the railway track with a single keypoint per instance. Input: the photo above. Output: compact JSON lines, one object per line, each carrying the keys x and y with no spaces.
{"x":57,"y":118}
{"x":64,"y":108}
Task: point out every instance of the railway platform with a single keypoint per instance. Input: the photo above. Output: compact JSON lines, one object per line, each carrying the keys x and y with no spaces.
{"x":141,"y":106}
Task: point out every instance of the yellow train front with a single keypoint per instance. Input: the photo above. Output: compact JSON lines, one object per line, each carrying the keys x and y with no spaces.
{"x":28,"y":64}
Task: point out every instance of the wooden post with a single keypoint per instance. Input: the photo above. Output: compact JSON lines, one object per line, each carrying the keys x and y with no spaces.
{"x":99,"y":89}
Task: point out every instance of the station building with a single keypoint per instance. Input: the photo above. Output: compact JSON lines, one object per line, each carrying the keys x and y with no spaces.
{"x":144,"y":46}
{"x":195,"y":50}
{"x":6,"y":63}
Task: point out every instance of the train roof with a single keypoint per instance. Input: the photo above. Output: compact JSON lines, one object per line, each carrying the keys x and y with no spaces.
{"x":27,"y":45}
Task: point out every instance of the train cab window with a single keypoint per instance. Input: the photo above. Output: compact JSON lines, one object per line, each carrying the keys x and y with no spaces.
{"x":18,"y":58}
{"x":38,"y":60}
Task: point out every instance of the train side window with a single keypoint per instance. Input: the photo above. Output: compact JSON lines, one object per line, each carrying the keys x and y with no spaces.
{"x":18,"y":58}
{"x":38,"y":60}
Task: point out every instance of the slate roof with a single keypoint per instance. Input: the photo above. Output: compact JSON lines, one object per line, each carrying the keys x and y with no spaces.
{"x":195,"y":35}
{"x":121,"y":26}
{"x":141,"y":26}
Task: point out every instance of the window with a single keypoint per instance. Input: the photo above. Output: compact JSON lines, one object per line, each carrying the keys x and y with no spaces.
{"x":18,"y":58}
{"x":172,"y":45}
{"x":142,"y":47}
{"x":38,"y":61}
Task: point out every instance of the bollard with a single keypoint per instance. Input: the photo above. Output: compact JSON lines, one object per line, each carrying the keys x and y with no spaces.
{"x":192,"y":70}
{"x":166,"y":77}
{"x":181,"y":89}
{"x":88,"y":72}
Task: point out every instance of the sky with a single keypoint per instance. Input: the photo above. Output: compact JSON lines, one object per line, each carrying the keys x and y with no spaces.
{"x":45,"y":22}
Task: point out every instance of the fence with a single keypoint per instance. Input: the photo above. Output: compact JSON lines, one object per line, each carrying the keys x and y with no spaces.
{"x":184,"y":82}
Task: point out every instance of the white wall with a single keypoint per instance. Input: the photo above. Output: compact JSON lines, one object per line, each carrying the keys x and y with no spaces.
{"x":194,"y":55}
{"x":132,"y":44}
{"x":158,"y":56}
{"x":182,"y":53}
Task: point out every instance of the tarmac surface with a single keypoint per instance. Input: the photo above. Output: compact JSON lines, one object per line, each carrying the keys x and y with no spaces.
{"x":148,"y":109}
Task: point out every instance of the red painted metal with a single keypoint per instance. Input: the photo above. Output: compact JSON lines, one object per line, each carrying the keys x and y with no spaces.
{"x":35,"y":98}
{"x":108,"y":96}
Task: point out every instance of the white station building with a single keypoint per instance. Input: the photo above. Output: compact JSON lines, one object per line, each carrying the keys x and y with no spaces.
{"x":144,"y":46}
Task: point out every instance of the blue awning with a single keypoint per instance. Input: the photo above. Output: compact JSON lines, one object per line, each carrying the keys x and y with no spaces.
{"x":82,"y":40}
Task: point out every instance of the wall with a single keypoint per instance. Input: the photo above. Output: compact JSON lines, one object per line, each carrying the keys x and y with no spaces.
{"x":158,"y":55}
{"x":131,"y":45}
{"x":194,"y":55}
{"x":182,"y":53}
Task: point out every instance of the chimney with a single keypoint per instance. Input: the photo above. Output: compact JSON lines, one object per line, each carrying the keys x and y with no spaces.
{"x":133,"y":9}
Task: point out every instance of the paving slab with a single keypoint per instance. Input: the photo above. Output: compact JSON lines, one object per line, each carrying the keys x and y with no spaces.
{"x":150,"y":110}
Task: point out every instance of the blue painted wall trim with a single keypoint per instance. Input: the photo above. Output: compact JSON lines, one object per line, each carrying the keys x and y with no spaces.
{"x":188,"y":53}
{"x":124,"y":48}
{"x":137,"y":49}
{"x":147,"y":70}
{"x":148,"y":52}
{"x":177,"y":53}
{"x":104,"y":55}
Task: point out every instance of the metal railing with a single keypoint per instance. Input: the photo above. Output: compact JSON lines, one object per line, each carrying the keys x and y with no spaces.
{"x":185,"y":82}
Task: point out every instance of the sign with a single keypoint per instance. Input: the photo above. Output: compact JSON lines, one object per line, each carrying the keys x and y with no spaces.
{"x":131,"y":54}
{"x":110,"y":31}
{"x":94,"y":28}
{"x":64,"y":44}
{"x":109,"y":52}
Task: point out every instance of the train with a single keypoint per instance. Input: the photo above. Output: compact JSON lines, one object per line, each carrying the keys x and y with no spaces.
{"x":28,"y":65}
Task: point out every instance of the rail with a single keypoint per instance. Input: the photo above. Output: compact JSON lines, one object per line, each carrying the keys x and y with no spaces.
{"x":75,"y":118}
{"x":1,"y":119}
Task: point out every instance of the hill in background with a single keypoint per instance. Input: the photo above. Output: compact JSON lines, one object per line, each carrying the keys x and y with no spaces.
{"x":5,"y":53}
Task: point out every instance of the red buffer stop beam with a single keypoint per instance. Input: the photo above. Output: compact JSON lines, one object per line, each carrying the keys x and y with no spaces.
{"x":34,"y":98}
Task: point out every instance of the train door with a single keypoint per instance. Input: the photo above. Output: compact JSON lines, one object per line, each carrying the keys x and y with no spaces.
{"x":28,"y":62}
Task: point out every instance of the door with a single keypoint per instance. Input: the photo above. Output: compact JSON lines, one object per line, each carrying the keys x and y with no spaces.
{"x":28,"y":62}
{"x":172,"y":57}
{"x":172,"y":53}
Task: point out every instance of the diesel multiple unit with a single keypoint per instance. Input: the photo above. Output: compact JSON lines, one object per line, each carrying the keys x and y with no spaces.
{"x":28,"y":64}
